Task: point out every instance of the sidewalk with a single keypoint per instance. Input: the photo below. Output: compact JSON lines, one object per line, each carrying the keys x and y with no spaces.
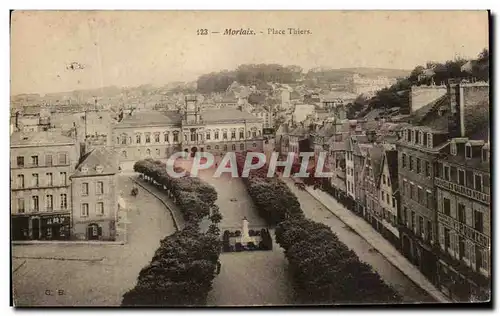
{"x":378,"y":242}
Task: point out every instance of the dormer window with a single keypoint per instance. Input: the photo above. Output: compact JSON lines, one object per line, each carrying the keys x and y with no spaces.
{"x":485,"y":155}
{"x":417,"y":137}
{"x":99,"y":169}
{"x":468,"y":151}
{"x":413,"y":136}
{"x":85,"y":169}
{"x":421,"y":137}
{"x":429,"y":140}
{"x":453,"y":149}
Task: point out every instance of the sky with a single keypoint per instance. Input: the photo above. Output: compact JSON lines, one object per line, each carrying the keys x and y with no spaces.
{"x":130,"y":48}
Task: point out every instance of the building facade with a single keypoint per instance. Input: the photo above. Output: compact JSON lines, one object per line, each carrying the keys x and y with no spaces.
{"x":95,"y":196}
{"x":41,"y":163}
{"x":464,"y":220}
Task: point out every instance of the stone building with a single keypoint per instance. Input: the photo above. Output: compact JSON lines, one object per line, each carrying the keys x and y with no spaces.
{"x":418,"y":151}
{"x":40,"y":166}
{"x":464,"y":219}
{"x":95,"y":196}
{"x":158,"y":135}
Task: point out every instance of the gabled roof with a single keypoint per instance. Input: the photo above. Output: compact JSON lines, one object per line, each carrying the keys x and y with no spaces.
{"x":99,"y":157}
{"x":391,"y":159}
{"x":376,"y":153}
{"x":428,"y":109}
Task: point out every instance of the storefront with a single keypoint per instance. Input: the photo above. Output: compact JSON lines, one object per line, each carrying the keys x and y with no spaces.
{"x":55,"y":227}
{"x":20,"y":227}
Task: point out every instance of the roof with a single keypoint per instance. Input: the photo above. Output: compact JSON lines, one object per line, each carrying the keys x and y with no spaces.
{"x":103,"y":157}
{"x":391,"y":158}
{"x":40,"y":139}
{"x":376,"y":154}
{"x":150,"y":118}
{"x":227,"y":116}
{"x":299,"y":131}
{"x":327,"y":130}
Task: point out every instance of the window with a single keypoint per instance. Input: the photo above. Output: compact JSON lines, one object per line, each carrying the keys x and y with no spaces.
{"x":418,"y":166}
{"x":207,"y":136}
{"x":225,"y":147}
{"x":446,"y":173}
{"x":34,"y":161}
{"x":429,"y":140}
{"x":85,"y":210}
{"x":411,"y":163}
{"x":453,"y":173}
{"x":99,"y":187}
{"x":216,"y":135}
{"x":20,"y":161}
{"x":85,"y":188}
{"x":424,"y":139}
{"x":429,"y":231}
{"x":62,"y":159}
{"x":242,"y":134}
{"x":412,"y":221}
{"x":446,"y":238}
{"x":165,"y":137}
{"x":468,"y":151}
{"x":484,"y":155}
{"x":382,"y":196}
{"x":254,"y":145}
{"x":420,"y":225}
{"x":176,"y":137}
{"x":124,"y":139}
{"x":20,"y":205}
{"x":420,"y":195}
{"x":100,"y":208}
{"x":417,"y":137}
{"x":64,"y":201}
{"x":224,"y":135}
{"x":478,"y":221}
{"x":62,"y":176}
{"x":216,"y":147}
{"x":124,"y":154}
{"x":461,"y":213}
{"x":453,"y":149}
{"x":95,"y":230}
{"x":20,"y":181}
{"x":446,"y":206}
{"x":242,"y":146}
{"x":193,"y":137}
{"x":157,"y":152}
{"x":412,"y":193}
{"x":233,"y":147}
{"x":393,"y":202}
{"x":49,"y":232}
{"x":427,"y":169}
{"x":429,"y":200}
{"x":49,"y":201}
{"x":478,"y":182}
{"x":461,"y":177}
{"x":138,"y":138}
{"x":148,"y":152}
{"x":50,"y":179}
{"x":403,"y":160}
{"x":208,"y":147}
{"x":157,"y":137}
{"x":148,"y":138}
{"x":233,"y":134}
{"x":408,"y":133}
{"x":35,"y":180}
{"x":34,"y":200}
{"x":383,"y":178}
{"x":254,"y":134}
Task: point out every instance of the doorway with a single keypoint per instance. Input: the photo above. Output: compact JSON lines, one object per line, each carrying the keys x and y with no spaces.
{"x":35,"y":228}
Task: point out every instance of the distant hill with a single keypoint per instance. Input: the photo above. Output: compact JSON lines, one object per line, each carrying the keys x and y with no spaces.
{"x":339,"y":76}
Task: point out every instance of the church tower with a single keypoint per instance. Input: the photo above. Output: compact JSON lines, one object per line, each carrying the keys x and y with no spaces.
{"x":192,"y":112}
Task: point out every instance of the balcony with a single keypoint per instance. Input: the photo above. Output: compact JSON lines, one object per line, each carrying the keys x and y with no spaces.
{"x":460,"y":189}
{"x":464,"y":230}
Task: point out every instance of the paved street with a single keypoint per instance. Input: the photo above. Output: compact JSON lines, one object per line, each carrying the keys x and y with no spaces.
{"x":91,"y":274}
{"x":406,"y":287}
{"x":250,"y":278}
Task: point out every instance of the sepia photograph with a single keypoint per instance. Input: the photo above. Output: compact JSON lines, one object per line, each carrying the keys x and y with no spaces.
{"x":250,"y":158}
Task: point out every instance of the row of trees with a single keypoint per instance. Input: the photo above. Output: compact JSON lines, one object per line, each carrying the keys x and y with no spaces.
{"x":183,"y":267}
{"x":274,"y":200}
{"x":248,"y":74}
{"x":325,"y":270}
